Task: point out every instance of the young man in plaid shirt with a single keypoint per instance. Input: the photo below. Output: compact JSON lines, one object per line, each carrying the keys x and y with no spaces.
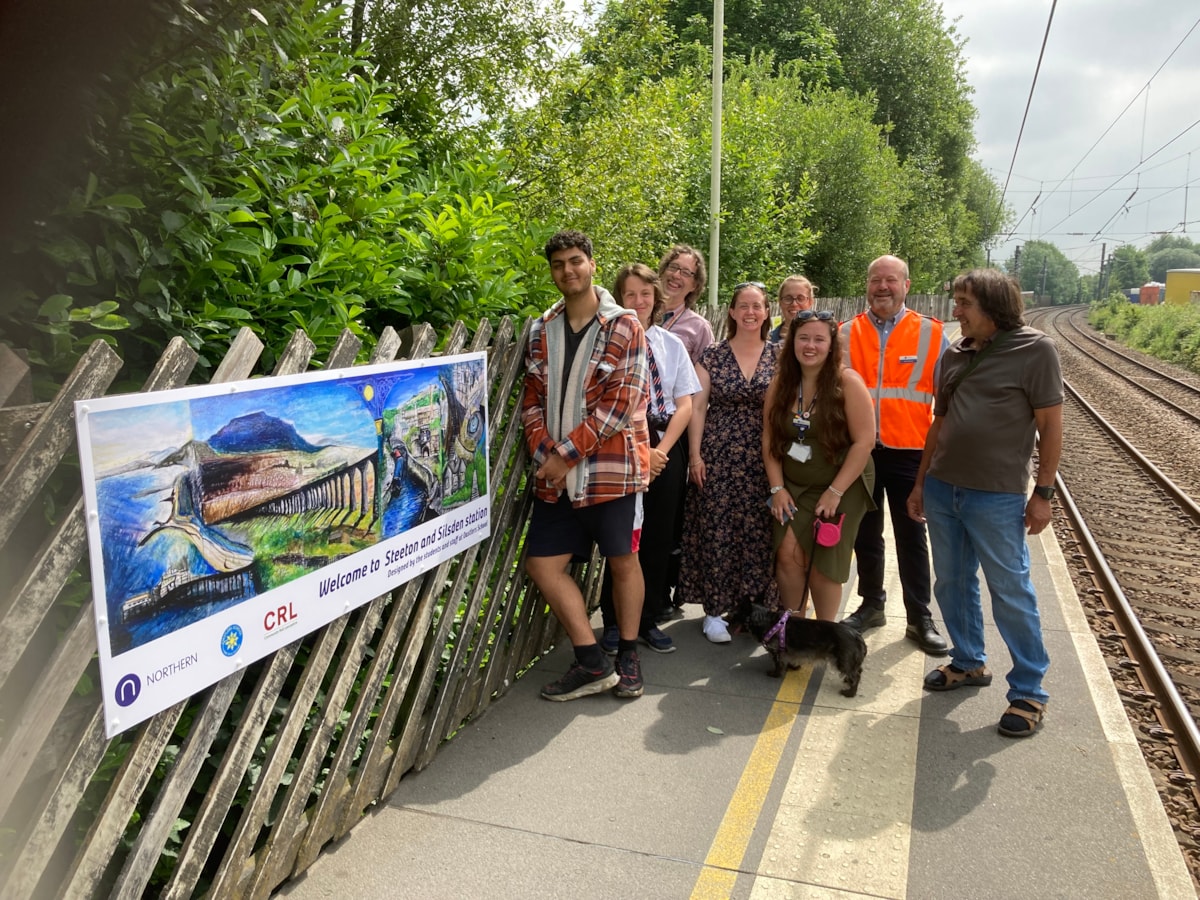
{"x":584,"y":413}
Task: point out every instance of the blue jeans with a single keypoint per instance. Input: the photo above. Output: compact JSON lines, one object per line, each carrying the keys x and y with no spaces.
{"x":967,"y":529}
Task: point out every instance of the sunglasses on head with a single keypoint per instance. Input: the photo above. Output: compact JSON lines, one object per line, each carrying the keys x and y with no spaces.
{"x":754,"y":284}
{"x":821,"y":315}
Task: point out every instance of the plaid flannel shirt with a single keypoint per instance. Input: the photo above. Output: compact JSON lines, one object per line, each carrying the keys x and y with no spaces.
{"x":609,"y":449}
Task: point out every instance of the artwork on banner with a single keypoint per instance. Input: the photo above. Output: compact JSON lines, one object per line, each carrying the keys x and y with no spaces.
{"x":227,"y":520}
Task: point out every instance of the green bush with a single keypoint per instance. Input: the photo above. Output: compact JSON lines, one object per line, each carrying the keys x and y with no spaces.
{"x":1171,"y":333}
{"x":254,"y":179}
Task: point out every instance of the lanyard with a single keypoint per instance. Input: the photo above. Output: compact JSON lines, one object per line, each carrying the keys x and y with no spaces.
{"x":800,"y":418}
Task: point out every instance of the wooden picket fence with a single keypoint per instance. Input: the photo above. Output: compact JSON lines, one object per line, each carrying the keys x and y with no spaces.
{"x":236,"y":790}
{"x":233,"y":792}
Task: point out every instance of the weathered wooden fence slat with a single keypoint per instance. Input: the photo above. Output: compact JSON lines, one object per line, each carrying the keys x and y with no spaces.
{"x":294,"y":748}
{"x":47,"y":442}
{"x":34,"y":595}
{"x":87,"y":873}
{"x":34,"y":849}
{"x":27,"y":732}
{"x":219,"y":798}
{"x":273,"y":866}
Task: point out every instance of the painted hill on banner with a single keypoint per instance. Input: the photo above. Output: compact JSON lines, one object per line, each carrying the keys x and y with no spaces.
{"x":256,"y":433}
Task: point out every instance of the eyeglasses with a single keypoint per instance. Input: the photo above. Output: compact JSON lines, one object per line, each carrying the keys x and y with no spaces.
{"x":754,"y":284}
{"x":790,"y":300}
{"x":821,"y":315}
{"x":677,"y":269}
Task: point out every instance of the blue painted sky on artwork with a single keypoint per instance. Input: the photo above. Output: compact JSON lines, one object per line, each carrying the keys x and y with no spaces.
{"x":327,"y":413}
{"x":324,"y":413}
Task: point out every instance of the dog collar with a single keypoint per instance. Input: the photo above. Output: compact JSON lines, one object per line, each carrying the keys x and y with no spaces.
{"x":779,"y":628}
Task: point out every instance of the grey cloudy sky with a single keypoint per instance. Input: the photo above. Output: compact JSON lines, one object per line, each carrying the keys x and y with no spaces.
{"x":1099,"y":56}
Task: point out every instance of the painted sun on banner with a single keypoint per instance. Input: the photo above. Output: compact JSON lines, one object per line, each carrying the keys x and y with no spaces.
{"x":225,"y":521}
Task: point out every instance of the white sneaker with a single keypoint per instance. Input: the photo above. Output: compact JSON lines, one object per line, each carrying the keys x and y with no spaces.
{"x":715,"y":630}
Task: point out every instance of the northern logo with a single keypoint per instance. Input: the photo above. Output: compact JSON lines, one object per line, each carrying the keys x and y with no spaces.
{"x":128,"y":689}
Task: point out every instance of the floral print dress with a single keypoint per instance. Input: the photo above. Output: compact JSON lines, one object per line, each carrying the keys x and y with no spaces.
{"x":727,"y":553}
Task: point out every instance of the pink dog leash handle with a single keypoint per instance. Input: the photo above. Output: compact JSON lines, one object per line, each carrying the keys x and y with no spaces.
{"x":827,"y":533}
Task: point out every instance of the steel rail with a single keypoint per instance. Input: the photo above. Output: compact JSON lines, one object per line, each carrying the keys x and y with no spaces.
{"x":1176,"y":716}
{"x":1186,"y":503}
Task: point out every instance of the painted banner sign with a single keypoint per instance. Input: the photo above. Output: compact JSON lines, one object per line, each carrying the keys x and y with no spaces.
{"x":227,"y":520}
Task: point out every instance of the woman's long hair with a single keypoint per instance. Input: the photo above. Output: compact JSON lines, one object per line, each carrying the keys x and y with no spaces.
{"x":829,"y":413}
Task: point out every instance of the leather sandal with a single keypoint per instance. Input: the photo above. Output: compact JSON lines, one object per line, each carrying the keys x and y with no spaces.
{"x":1022,"y":718}
{"x":947,"y":678}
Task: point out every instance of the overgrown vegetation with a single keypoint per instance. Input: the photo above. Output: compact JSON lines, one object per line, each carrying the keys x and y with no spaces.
{"x":1170,"y":332}
{"x":328,"y":166}
{"x":256,"y":179}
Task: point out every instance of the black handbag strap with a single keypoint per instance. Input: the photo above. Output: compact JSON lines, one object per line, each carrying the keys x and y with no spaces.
{"x":978,"y":358}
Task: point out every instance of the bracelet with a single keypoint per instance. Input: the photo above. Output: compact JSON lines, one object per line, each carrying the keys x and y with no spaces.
{"x":775,"y":489}
{"x":693,"y":465}
{"x":837,"y":492}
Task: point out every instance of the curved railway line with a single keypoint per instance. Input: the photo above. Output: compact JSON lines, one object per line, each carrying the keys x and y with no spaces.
{"x":1130,"y":529}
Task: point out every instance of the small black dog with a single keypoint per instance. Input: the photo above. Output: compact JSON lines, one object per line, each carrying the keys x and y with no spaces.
{"x":805,"y":639}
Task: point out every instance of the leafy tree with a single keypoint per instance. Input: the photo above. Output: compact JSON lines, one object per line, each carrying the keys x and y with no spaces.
{"x":790,"y":32}
{"x":254,"y":179}
{"x":454,"y":62}
{"x":907,"y":63}
{"x":1163,"y":260}
{"x":983,"y":214}
{"x":902,"y":53}
{"x":808,"y":182}
{"x":1046,"y":272}
{"x":1127,"y":268}
{"x":1170,"y":242}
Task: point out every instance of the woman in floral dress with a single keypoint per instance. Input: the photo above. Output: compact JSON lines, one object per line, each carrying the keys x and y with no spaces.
{"x":727,"y":548}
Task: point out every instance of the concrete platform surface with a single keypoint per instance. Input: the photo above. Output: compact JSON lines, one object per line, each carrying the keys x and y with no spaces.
{"x":723,"y":782}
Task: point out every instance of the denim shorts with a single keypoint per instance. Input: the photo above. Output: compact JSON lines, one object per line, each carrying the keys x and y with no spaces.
{"x":556,"y":529}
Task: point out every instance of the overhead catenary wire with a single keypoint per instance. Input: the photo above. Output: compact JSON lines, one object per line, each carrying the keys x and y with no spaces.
{"x":1028,"y":102}
{"x":1054,"y":190}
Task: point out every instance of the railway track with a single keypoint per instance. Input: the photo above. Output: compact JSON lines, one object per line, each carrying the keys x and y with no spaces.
{"x":1130,"y":528}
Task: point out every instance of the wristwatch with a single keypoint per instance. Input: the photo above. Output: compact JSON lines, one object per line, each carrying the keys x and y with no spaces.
{"x":1045,"y":491}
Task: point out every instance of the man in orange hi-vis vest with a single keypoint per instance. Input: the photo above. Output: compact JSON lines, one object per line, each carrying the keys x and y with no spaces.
{"x":896,"y":351}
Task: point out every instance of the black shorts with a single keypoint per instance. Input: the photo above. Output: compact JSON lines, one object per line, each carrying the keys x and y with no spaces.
{"x":559,"y":528}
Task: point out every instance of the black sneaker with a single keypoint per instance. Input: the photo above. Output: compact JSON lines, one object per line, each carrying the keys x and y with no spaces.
{"x":610,"y":639}
{"x":657,"y":640}
{"x":579,"y":682}
{"x":629,"y":674}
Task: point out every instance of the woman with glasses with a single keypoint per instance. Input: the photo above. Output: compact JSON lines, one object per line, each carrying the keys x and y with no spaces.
{"x":795,"y":293}
{"x":726,"y":525}
{"x":818,"y":430}
{"x":683,"y":277}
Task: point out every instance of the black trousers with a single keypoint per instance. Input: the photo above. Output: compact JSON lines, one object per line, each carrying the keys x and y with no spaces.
{"x":658,"y":540}
{"x":895,"y":474}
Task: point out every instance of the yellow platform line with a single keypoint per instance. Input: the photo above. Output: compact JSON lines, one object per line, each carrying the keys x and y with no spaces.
{"x":720,"y":871}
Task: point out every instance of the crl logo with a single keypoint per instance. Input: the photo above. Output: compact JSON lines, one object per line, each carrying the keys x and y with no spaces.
{"x":128,"y":689}
{"x":231,"y":640}
{"x":278,"y":617}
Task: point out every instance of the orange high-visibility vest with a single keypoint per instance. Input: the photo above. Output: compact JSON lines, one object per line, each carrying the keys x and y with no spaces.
{"x":901,"y":383}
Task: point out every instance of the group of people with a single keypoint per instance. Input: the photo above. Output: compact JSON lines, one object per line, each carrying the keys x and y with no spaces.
{"x":754,"y":468}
